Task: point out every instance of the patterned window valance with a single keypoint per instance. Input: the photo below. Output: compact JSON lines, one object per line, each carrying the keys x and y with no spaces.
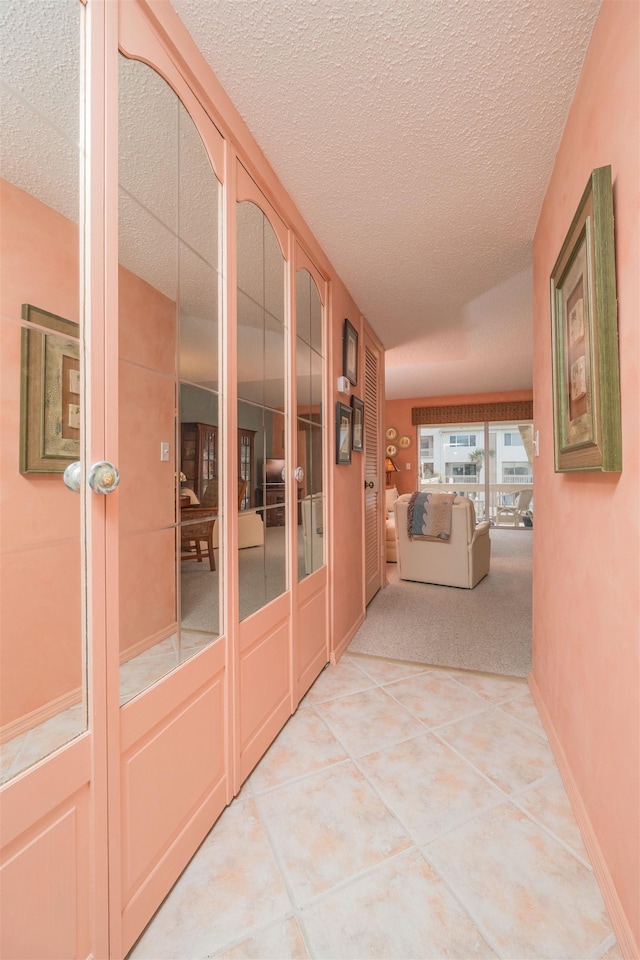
{"x":473,"y":412}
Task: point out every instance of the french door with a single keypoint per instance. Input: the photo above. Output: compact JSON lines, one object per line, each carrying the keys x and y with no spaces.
{"x":169,"y":643}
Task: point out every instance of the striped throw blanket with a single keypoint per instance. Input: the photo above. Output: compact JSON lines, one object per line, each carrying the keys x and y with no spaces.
{"x":429,"y":516}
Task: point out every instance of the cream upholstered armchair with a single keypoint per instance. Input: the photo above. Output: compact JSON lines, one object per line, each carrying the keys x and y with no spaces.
{"x":390,"y":548}
{"x":460,"y":562}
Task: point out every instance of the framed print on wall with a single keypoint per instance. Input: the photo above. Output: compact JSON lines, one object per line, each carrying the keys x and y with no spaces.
{"x":357,"y":405}
{"x":49,"y":393}
{"x":343,"y":433}
{"x":350,"y":353}
{"x":584,"y":333}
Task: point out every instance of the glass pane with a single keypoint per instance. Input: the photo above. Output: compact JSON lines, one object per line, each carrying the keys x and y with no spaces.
{"x":250,"y":336}
{"x":317,"y":377}
{"x":512,"y":476}
{"x":309,"y":378}
{"x":199,"y":324}
{"x":42,"y":550}
{"x":303,"y":376}
{"x":261,"y":347}
{"x":201,"y":503}
{"x":169,"y":292}
{"x":274,"y":361}
{"x":454,"y":457}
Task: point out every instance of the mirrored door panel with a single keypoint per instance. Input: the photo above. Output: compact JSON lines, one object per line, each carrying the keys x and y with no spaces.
{"x":169,"y":307}
{"x":262,"y":353}
{"x":310,"y":425}
{"x":42,"y":548}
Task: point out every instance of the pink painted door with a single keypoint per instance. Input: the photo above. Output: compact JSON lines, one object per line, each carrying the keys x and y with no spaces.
{"x":311,"y":637}
{"x":261,"y":613}
{"x":170,"y":757}
{"x":53,"y":838}
{"x":153,"y":646}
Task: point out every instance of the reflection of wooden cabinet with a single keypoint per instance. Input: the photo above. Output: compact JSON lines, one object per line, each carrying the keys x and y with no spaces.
{"x":199,"y":458}
{"x":198,"y":455}
{"x":274,"y":497}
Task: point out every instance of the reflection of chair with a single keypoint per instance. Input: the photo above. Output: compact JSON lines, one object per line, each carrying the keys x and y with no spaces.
{"x":391,"y":552}
{"x":460,"y":562}
{"x":515,"y":512}
{"x":312,"y":531}
{"x":193,"y":535}
{"x":210,"y":495}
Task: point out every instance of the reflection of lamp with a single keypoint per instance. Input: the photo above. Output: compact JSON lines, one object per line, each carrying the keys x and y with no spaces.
{"x":390,"y":467}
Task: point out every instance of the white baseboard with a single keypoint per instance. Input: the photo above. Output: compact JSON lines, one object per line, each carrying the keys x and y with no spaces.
{"x":619,"y":920}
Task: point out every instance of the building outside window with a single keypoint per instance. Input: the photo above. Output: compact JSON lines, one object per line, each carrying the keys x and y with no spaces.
{"x":461,"y":472}
{"x":455,"y":457}
{"x":462,"y":440}
{"x":512,"y":440}
{"x":427,"y":467}
{"x":517,"y":473}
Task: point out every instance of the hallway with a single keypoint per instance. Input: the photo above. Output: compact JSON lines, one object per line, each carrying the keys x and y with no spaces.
{"x":403,"y":812}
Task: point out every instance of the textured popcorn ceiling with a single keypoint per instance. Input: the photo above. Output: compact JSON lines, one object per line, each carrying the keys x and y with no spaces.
{"x":416,"y":137}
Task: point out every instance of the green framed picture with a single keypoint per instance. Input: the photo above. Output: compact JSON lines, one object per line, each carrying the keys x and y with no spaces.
{"x":584,"y":334}
{"x":344,"y":434}
{"x":50,"y":410}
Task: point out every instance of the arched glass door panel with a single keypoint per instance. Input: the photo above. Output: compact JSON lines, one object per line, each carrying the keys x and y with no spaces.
{"x":171,"y":565}
{"x":42,"y":382}
{"x":310,"y":424}
{"x":261,"y":353}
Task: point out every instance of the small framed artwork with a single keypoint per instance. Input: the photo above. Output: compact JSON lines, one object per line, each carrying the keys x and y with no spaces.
{"x":391,"y":450}
{"x":357,"y":405}
{"x":350,"y":353}
{"x":586,"y":382}
{"x":49,"y":393}
{"x":405,"y":442}
{"x":391,"y":434}
{"x":343,"y":433}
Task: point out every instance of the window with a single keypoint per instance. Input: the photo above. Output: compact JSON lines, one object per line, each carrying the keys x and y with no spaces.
{"x":516,"y":473}
{"x":512,"y":440}
{"x":462,"y":440}
{"x":461,"y":472}
{"x":426,"y":446}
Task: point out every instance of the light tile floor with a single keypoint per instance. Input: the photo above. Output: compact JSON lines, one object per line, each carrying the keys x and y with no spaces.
{"x":403,"y":812}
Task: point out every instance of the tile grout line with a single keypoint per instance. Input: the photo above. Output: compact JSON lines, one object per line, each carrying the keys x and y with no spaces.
{"x":550,"y":833}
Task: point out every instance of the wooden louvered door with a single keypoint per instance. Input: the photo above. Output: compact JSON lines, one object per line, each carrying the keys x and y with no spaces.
{"x":374,"y":543}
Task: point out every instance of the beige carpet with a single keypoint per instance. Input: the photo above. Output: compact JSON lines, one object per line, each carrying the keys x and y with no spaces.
{"x":487,"y":628}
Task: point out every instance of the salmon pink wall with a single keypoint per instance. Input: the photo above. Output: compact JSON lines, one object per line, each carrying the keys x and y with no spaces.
{"x":586,"y":603}
{"x":40,"y":599}
{"x":398,"y":415}
{"x":347,"y":531}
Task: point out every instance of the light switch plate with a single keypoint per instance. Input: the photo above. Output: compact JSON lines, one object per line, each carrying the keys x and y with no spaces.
{"x":164,"y":451}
